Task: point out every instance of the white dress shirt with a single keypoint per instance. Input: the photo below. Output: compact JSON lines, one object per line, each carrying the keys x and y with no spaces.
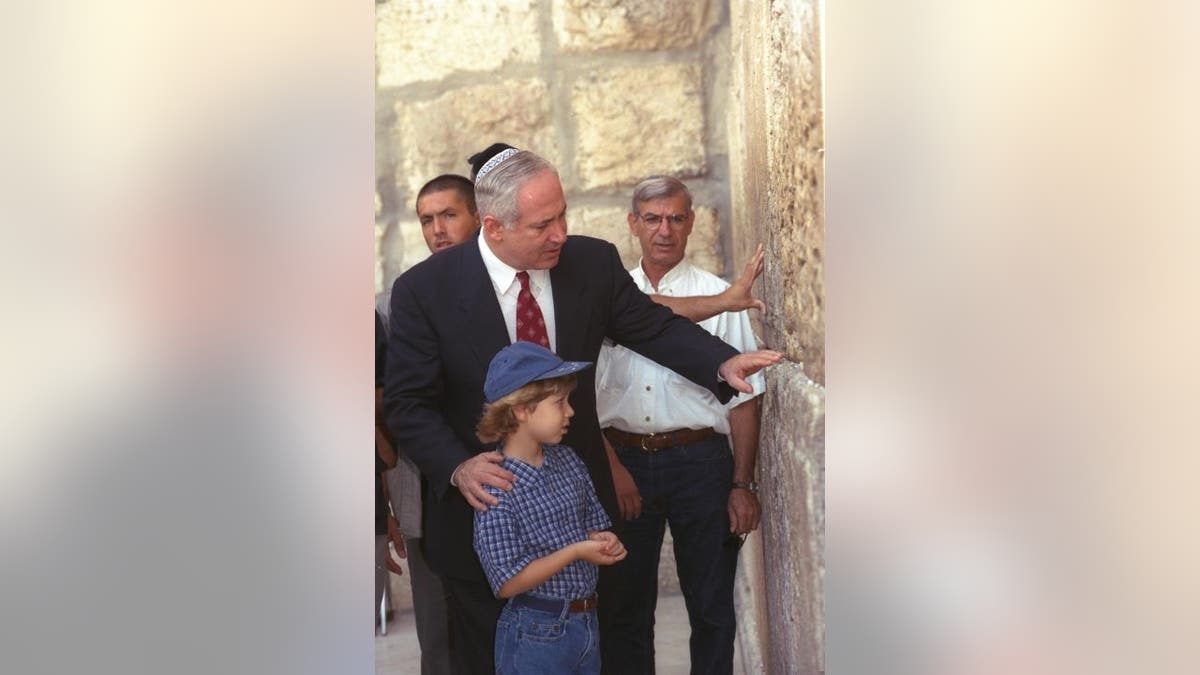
{"x":504,"y":282}
{"x":637,"y":395}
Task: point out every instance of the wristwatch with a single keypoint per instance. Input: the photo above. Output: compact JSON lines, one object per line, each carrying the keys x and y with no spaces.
{"x":752,"y":487}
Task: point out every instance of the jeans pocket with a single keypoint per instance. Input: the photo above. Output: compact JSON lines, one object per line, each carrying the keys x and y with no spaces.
{"x":541,"y":631}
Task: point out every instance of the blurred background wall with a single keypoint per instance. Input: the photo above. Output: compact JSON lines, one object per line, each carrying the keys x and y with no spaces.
{"x":724,"y":95}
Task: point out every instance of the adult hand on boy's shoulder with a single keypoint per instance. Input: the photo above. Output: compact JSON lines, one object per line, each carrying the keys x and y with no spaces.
{"x":483,"y":469}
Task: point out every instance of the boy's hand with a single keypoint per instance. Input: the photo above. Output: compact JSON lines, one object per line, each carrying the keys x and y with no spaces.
{"x":596,"y":551}
{"x":612,"y":544}
{"x":482,"y":469}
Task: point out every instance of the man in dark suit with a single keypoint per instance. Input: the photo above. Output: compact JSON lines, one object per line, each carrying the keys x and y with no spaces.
{"x":523,"y":277}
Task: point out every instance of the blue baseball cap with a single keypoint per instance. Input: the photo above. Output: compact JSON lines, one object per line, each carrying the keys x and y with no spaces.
{"x":521,"y":363}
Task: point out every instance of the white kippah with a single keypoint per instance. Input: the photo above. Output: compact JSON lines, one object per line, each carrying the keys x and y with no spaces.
{"x":494,"y":162}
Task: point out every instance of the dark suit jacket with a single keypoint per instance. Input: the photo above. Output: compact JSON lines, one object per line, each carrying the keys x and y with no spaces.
{"x":446,"y":327}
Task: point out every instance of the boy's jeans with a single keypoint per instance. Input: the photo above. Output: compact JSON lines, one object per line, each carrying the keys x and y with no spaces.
{"x":530,"y":640}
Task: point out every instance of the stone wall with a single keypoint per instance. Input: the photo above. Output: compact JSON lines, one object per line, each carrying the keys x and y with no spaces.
{"x":609,"y":91}
{"x":776,"y":142}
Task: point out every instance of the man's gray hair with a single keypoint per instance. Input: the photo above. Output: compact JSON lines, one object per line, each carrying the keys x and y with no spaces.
{"x":657,"y":187}
{"x":496,"y":192}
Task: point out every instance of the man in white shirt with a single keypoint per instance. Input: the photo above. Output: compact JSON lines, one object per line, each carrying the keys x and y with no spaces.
{"x":670,"y":458}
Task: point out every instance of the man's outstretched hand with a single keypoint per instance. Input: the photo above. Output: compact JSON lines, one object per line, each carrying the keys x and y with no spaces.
{"x":739,"y":296}
{"x":737,"y":369}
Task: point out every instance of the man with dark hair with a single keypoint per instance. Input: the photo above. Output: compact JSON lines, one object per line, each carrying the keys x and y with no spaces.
{"x":523,"y":278}
{"x":446,"y":209}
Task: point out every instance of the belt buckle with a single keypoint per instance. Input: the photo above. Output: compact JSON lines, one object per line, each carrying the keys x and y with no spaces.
{"x":645,"y":438}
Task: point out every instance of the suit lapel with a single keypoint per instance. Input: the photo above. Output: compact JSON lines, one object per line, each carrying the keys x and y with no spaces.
{"x":482,"y":323}
{"x":570,"y":311}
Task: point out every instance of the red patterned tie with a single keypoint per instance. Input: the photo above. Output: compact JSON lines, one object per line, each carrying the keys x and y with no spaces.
{"x":531,"y":326}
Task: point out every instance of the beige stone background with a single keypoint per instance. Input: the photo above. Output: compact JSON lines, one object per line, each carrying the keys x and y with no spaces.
{"x":724,"y":94}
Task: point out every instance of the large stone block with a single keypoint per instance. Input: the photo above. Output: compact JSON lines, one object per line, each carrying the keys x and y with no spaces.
{"x":435,"y":137}
{"x":607,"y":223}
{"x":634,"y":122}
{"x":610,"y":25}
{"x":425,"y":41}
{"x":704,"y":244}
{"x":776,"y":146}
{"x":402,"y":247}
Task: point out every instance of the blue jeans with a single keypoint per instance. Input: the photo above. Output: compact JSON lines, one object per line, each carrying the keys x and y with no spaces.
{"x":532,"y":640}
{"x":687,"y":487}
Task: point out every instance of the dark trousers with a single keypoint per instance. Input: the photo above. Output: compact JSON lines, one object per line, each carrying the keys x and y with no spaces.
{"x":686,"y":487}
{"x":429,"y":610}
{"x":473,"y":611}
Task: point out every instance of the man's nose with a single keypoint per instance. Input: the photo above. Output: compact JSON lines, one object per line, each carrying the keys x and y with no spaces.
{"x":559,"y":235}
{"x":439,"y":224}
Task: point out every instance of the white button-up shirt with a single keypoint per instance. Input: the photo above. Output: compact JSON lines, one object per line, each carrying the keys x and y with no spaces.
{"x":637,"y":395}
{"x":504,"y":282}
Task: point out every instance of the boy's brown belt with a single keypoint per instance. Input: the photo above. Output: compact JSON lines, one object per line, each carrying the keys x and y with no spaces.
{"x":655,"y":442}
{"x":551,"y":605}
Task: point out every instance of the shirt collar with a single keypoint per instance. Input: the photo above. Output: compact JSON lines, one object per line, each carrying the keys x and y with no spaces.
{"x":503,"y":276}
{"x":528,"y":472}
{"x":673,"y":276}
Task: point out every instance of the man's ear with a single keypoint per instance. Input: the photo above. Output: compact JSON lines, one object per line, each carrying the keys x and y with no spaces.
{"x":632,"y":219}
{"x":492,"y":228}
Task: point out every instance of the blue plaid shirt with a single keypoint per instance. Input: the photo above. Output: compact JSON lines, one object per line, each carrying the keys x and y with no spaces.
{"x":548,"y":508}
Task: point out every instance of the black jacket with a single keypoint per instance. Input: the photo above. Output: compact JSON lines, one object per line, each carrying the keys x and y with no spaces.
{"x":446,"y":326}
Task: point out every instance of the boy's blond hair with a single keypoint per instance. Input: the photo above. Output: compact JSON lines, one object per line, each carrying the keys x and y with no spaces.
{"x":498,"y":420}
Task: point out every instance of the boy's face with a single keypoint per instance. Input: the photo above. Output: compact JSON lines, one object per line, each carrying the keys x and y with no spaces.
{"x":548,"y":422}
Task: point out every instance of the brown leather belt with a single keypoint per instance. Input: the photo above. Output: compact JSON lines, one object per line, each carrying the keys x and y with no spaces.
{"x":555,"y":606}
{"x":583,"y":605}
{"x":656,"y":442}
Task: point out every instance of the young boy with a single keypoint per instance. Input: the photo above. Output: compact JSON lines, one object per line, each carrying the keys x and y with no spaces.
{"x":541,"y":544}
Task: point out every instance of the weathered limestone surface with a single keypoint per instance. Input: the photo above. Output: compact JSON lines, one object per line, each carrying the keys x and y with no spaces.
{"x":793,"y":478}
{"x":634,"y":122}
{"x":425,"y":41}
{"x":402,"y":248}
{"x":435,"y":137}
{"x":704,"y":244}
{"x":776,"y":162}
{"x":776,"y":148}
{"x":750,"y":602}
{"x":607,"y":223}
{"x":599,"y":25}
